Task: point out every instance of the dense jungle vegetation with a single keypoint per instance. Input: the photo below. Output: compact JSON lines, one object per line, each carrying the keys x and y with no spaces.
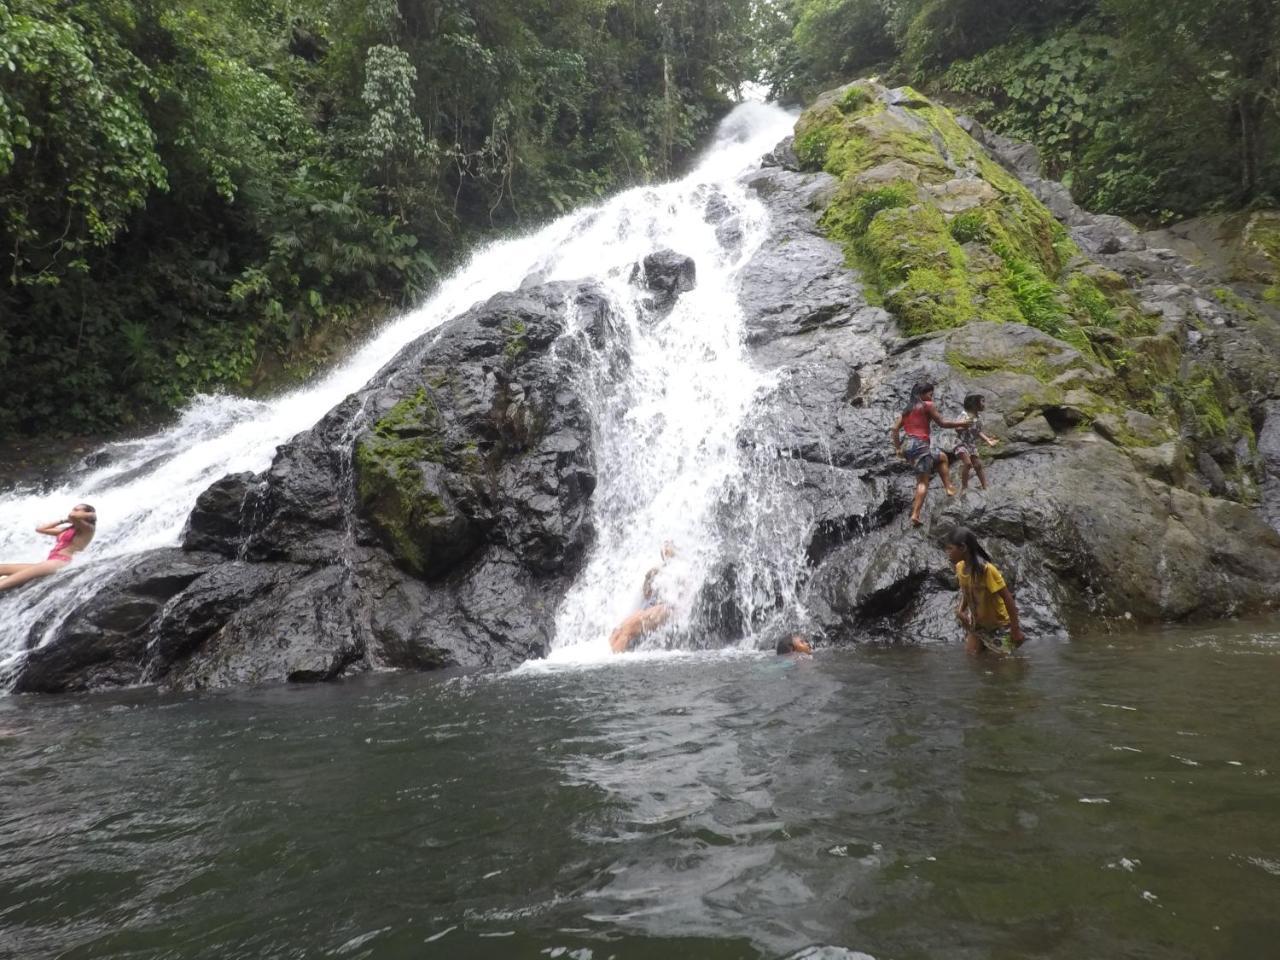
{"x":1154,"y":110}
{"x":207,"y":193}
{"x":189,"y":188}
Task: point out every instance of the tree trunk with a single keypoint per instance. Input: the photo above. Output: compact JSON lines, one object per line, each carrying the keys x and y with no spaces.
{"x":668,"y":118}
{"x":1251,"y":110}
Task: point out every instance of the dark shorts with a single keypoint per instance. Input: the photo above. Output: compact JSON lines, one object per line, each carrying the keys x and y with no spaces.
{"x":920,"y":456}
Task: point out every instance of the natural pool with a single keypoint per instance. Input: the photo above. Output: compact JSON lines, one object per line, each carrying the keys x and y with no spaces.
{"x":1113,"y":797}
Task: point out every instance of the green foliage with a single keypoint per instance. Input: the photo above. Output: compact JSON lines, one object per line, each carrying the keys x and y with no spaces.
{"x":969,"y":227}
{"x":1090,"y":301}
{"x":1149,"y":110}
{"x":199,"y":194}
{"x":853,"y":100}
{"x":1054,"y":92}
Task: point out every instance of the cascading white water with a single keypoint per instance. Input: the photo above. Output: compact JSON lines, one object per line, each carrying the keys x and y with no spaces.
{"x":664,"y":461}
{"x":667,"y":423}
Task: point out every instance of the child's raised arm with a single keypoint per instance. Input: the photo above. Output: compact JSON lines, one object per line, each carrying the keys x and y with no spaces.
{"x":936,"y":417}
{"x":54,"y":528}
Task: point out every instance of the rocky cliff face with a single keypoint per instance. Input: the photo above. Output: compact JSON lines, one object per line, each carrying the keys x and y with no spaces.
{"x":438,"y":516}
{"x":1129,"y":388}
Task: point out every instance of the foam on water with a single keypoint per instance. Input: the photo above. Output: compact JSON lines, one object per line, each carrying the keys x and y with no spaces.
{"x":668,"y":434}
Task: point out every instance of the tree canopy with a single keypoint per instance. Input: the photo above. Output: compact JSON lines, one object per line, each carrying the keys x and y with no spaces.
{"x":197,"y":193}
{"x":206,"y":193}
{"x":1149,"y":110}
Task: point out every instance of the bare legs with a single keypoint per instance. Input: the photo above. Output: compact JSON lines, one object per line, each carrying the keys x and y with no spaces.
{"x":975,"y":464}
{"x":637,"y":625}
{"x":16,"y":574}
{"x":922,"y":487}
{"x":944,"y":469}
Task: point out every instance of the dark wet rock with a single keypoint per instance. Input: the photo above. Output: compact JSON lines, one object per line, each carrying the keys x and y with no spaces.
{"x":433,"y":519}
{"x":104,"y":641}
{"x":717,"y":618}
{"x":217,"y":523}
{"x":1269,"y":451}
{"x":1086,"y":525}
{"x":783,"y":155}
{"x":668,"y":274}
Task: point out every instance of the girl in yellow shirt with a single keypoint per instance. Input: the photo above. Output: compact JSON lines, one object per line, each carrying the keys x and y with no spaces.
{"x":987,"y":609}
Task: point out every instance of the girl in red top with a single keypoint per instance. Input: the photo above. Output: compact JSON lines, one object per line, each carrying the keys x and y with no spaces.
{"x":73,"y":535}
{"x":917,"y":420}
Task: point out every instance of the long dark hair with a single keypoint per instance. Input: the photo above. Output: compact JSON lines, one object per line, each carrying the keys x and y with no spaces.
{"x":917,"y":396}
{"x":967,"y":540}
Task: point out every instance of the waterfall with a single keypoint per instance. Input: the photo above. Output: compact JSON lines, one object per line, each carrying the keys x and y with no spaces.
{"x":671,"y":399}
{"x":668,"y":433}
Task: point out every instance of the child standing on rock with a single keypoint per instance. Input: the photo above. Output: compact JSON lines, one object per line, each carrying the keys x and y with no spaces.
{"x":917,"y":422}
{"x":968,"y":439}
{"x":987,"y":610}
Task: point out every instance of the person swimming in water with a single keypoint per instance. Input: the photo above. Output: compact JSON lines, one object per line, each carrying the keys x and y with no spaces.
{"x":653,"y":612}
{"x":793,"y":644}
{"x":73,"y":535}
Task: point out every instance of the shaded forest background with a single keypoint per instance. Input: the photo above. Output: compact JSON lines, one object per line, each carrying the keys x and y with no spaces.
{"x":197,"y":194}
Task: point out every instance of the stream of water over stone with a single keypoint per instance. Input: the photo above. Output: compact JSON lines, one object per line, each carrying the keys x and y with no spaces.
{"x":668,"y":431}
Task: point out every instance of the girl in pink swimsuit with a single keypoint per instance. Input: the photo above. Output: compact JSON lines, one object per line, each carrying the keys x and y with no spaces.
{"x":73,"y":535}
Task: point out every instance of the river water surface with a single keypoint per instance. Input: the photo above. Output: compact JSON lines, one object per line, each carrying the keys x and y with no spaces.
{"x":1112,"y":797}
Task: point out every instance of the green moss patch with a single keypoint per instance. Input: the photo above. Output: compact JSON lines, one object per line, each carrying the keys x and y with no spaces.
{"x":944,"y":236}
{"x":1265,"y":238}
{"x":1211,"y":407}
{"x":952,"y":238}
{"x":390,"y":482}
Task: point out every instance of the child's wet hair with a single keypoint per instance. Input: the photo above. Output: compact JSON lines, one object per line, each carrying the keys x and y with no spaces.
{"x":967,"y":540}
{"x":972,"y":402}
{"x":917,"y":395}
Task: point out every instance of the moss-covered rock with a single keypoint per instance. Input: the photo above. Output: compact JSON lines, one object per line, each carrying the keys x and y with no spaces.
{"x":401,"y":486}
{"x":947,"y":239}
{"x":944,"y":235}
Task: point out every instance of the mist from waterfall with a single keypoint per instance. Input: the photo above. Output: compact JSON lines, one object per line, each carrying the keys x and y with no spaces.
{"x":668,"y":431}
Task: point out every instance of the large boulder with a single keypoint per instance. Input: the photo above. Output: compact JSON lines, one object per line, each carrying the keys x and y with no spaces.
{"x":433,"y":519}
{"x":1125,"y":478}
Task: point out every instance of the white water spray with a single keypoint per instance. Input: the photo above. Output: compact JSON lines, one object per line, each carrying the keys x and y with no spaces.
{"x":664,"y":460}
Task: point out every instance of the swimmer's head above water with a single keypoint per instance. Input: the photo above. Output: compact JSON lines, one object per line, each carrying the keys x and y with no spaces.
{"x":794,"y":644}
{"x":82,"y":511}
